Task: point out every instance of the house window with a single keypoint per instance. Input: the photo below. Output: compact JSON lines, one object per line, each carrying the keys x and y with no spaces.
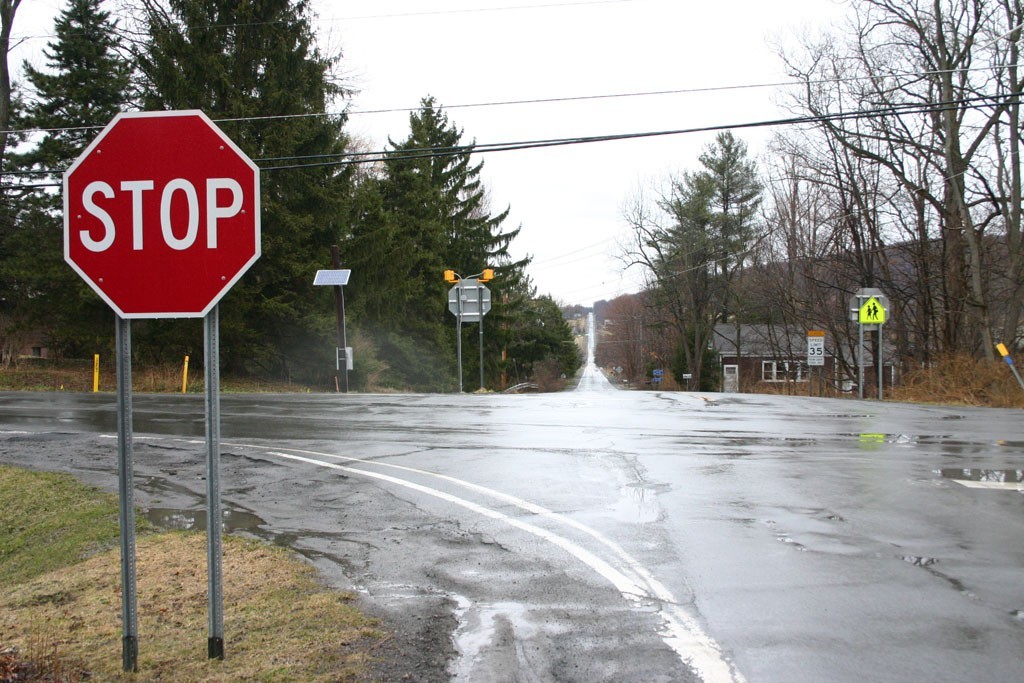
{"x":783,"y":371}
{"x":37,"y":351}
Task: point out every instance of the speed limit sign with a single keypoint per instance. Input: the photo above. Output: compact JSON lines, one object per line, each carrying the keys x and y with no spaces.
{"x":815,"y":347}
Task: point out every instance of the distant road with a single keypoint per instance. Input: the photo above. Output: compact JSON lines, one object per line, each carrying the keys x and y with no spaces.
{"x":604,"y":535}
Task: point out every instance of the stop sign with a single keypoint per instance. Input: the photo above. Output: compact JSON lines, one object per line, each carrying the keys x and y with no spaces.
{"x":161,"y":214}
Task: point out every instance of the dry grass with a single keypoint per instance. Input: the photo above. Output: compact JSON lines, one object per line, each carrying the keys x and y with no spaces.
{"x":954,"y":380}
{"x":961,"y":380}
{"x":279,"y":623}
{"x":45,"y":375}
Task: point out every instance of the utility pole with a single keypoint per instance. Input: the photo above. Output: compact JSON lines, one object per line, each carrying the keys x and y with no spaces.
{"x":339,"y":302}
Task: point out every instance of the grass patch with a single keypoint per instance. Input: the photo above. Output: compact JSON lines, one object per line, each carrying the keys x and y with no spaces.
{"x":60,"y":599}
{"x":35,"y":534}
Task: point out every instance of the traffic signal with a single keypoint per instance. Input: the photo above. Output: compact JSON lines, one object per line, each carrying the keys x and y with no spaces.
{"x":487,"y":275}
{"x":449,"y":276}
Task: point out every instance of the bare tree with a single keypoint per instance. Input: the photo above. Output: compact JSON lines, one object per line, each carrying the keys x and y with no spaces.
{"x":926,"y":115}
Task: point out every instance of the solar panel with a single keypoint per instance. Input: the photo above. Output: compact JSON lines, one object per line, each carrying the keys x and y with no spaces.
{"x":332,"y":277}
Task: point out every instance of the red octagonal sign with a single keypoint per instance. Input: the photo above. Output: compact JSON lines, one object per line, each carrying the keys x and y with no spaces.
{"x":162,"y":214}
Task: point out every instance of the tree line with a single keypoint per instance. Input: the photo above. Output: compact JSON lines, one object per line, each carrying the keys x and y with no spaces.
{"x":902,"y":173}
{"x":256,"y":69}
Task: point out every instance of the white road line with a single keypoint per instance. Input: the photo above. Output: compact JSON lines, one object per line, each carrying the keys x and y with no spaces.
{"x":992,"y":485}
{"x":681,"y":631}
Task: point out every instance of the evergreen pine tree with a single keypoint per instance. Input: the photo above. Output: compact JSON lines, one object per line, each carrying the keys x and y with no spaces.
{"x":253,"y":65}
{"x":83,"y":86}
{"x":431,"y":215}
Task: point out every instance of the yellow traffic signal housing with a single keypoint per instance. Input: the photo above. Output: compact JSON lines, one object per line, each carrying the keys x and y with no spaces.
{"x":449,"y":276}
{"x":487,"y":275}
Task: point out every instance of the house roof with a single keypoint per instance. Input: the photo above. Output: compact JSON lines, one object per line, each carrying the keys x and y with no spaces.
{"x":759,"y":340}
{"x":779,"y":342}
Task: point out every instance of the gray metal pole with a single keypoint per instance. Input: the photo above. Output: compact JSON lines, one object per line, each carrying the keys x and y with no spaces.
{"x":215,"y":642}
{"x":458,"y":335}
{"x":881,"y":362}
{"x":480,"y":310}
{"x":126,"y":512}
{"x":860,"y":360}
{"x":344,"y":337}
{"x":1009,"y":361}
{"x":339,"y":301}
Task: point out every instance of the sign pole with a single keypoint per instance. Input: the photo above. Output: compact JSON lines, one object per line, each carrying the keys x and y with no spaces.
{"x":215,"y":642}
{"x":339,"y":301}
{"x":860,"y":361}
{"x":1005,"y":353}
{"x":126,"y":516}
{"x":466,"y":310}
{"x":458,"y":337}
{"x":138,"y":164}
{"x":871,"y":309}
{"x":480,"y":309}
{"x":881,"y":363}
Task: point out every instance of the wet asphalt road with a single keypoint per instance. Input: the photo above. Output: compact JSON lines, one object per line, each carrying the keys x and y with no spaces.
{"x":603,"y":535}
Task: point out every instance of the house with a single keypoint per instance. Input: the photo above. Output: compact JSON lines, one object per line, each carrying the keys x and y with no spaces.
{"x":17,"y":345}
{"x":750,"y":354}
{"x":776,"y":354}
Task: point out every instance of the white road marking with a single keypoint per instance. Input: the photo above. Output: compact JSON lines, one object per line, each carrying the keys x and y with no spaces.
{"x":681,"y":630}
{"x":992,"y":485}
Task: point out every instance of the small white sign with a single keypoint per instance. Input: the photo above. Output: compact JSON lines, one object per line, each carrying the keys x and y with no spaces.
{"x":815,"y":351}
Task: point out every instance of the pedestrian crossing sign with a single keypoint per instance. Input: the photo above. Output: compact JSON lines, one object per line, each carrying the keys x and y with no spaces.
{"x":872,"y":313}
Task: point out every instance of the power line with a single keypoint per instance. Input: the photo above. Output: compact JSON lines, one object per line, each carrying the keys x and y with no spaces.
{"x":674,"y":91}
{"x":541,"y":100}
{"x":977,"y":102}
{"x":477,"y":10}
{"x":395,"y":15}
{"x":574,"y":255}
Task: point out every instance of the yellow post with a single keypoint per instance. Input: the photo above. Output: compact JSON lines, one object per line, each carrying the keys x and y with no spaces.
{"x":95,"y":373}
{"x":184,"y":377}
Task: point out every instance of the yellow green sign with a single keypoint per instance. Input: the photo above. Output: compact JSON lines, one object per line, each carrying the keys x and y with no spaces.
{"x":872,"y":313}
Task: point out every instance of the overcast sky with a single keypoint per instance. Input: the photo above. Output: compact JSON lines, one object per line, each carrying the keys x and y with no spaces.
{"x":568,"y":200}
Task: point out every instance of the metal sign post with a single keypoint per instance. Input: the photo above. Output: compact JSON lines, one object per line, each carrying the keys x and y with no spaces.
{"x":468,"y":308}
{"x":150,"y":252}
{"x":815,"y":357}
{"x":1009,"y":361}
{"x":869,"y":309}
{"x":214,"y":527}
{"x":126,"y":510}
{"x":338,"y":278}
{"x":458,"y":337}
{"x":881,"y":362}
{"x":480,"y":307}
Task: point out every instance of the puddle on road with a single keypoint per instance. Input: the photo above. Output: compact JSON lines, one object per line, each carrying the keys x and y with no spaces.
{"x":638,"y":503}
{"x":195,"y":520}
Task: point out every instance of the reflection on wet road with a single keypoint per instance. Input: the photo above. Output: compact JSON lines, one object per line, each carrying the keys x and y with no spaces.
{"x":604,"y":535}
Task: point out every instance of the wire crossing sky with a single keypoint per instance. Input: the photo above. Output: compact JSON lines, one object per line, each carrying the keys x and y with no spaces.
{"x":539,"y":80}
